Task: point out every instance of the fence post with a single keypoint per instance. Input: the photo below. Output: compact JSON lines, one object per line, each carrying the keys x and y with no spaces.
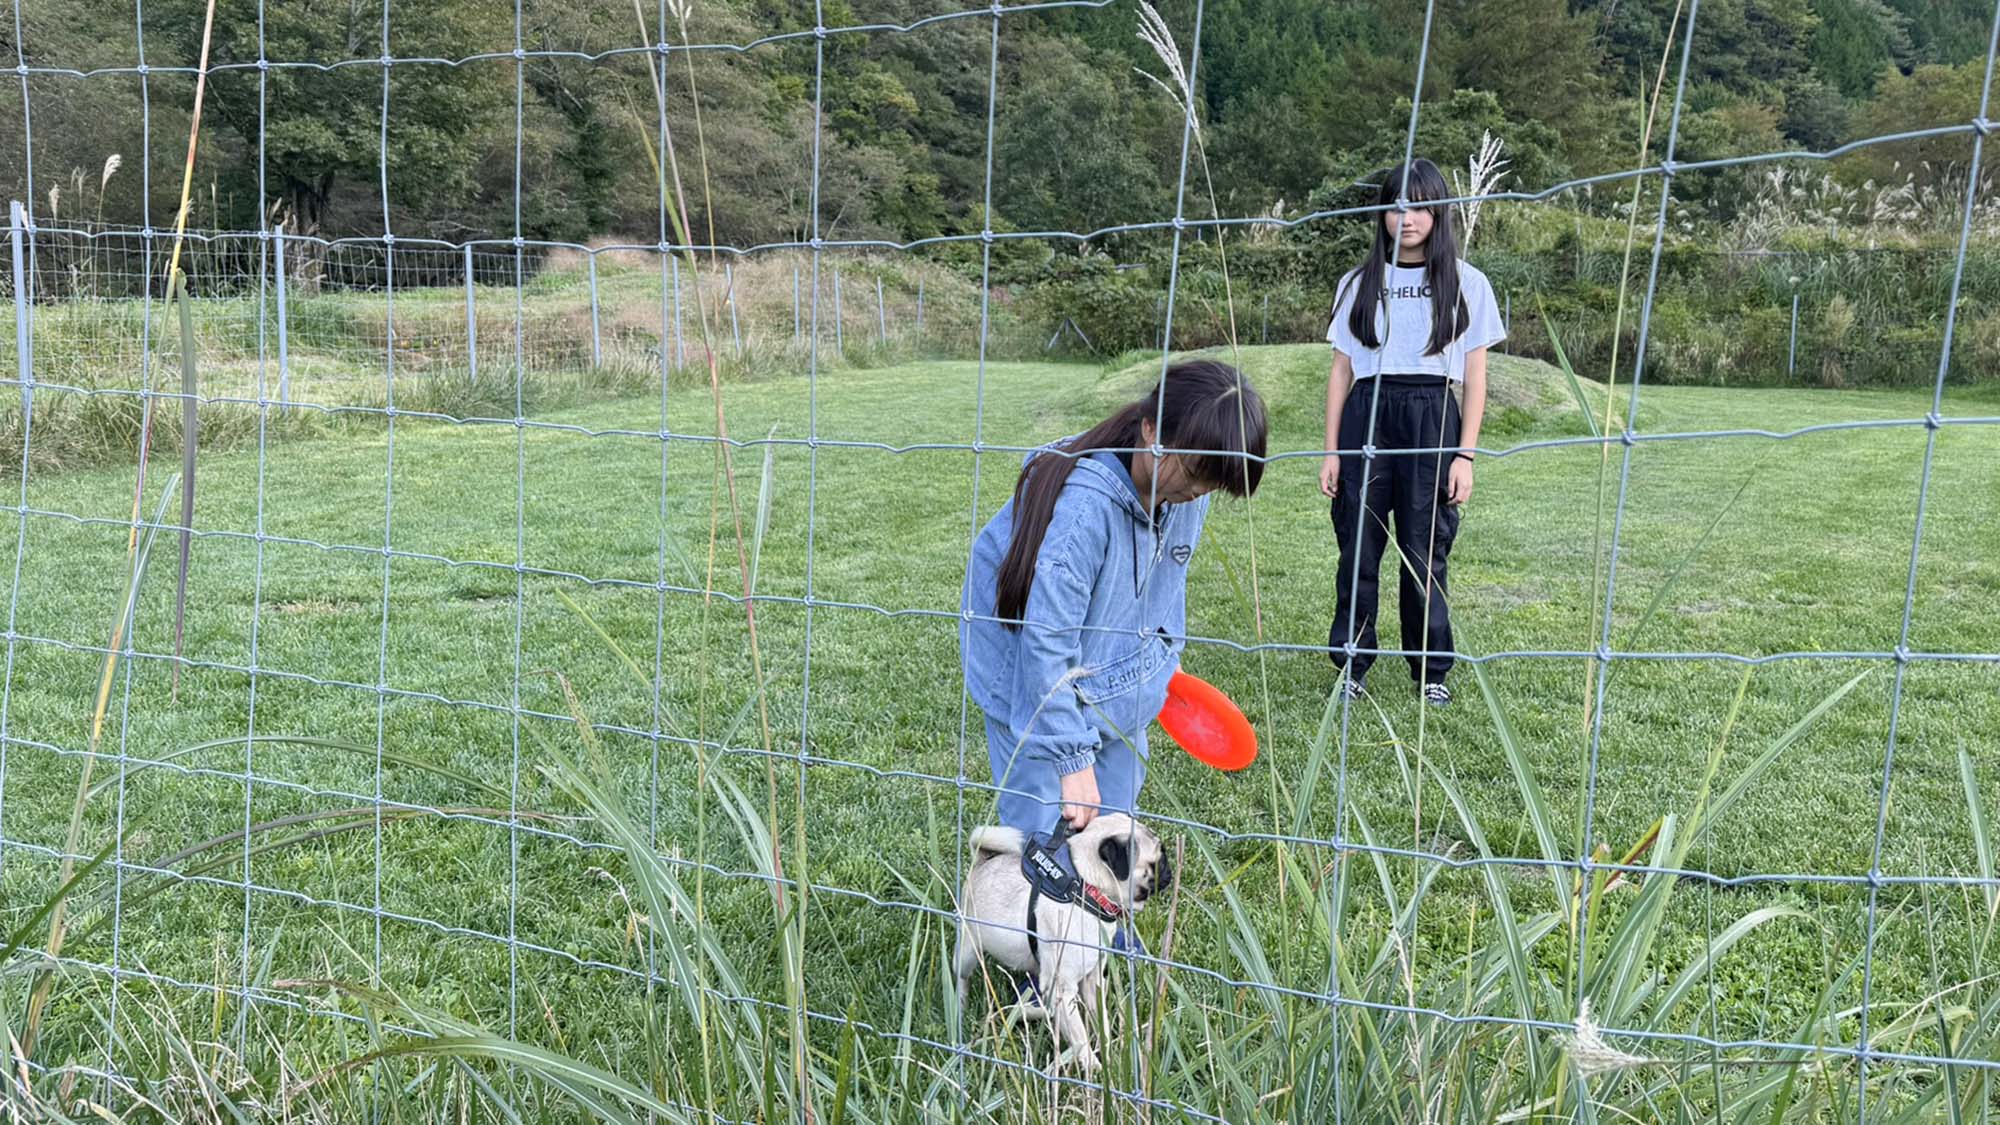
{"x":881,"y":316}
{"x":1792,"y":355}
{"x":667,"y":319}
{"x":1264,"y":335}
{"x":735,"y":327}
{"x":920,"y":306}
{"x":284,"y":329}
{"x":596,"y":339}
{"x":795,"y":304}
{"x":17,"y":220}
{"x":471,"y":319}
{"x":839,"y":338}
{"x":680,"y":337}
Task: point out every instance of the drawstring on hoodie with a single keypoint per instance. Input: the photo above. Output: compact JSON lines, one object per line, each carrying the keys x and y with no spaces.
{"x":1159,"y":530}
{"x":1156,"y":523}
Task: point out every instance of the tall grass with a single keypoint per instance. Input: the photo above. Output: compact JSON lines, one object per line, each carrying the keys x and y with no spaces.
{"x":790,"y":919}
{"x":1476,"y":1020}
{"x":1485,"y":1026}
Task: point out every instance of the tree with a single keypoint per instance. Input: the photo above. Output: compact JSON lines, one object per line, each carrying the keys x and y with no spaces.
{"x":1815,"y":116}
{"x":1856,"y":41}
{"x":1272,"y":94}
{"x":1716,"y":125}
{"x":1066,"y":153}
{"x":1267,"y":151}
{"x":1448,"y":133}
{"x":579,"y":143}
{"x":1536,"y":56}
{"x":321,"y":130}
{"x":1947,"y":31}
{"x":1740,"y":46}
{"x":1929,"y":96}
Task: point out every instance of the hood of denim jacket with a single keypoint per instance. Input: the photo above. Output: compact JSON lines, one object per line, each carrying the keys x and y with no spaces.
{"x":1102,"y":471}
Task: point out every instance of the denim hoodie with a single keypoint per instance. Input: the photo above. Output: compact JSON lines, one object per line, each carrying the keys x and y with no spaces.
{"x":1103,"y":623}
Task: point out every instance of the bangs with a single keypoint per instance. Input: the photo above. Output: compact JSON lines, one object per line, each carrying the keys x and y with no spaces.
{"x":1238,"y":476}
{"x":1426,"y":184}
{"x":1231,"y":424}
{"x":1428,"y":188}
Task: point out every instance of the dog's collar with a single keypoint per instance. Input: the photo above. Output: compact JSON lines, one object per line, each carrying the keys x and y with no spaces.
{"x":1099,"y":903}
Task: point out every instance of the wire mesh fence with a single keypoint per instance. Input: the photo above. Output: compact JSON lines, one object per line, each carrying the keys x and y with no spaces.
{"x":360,"y":731}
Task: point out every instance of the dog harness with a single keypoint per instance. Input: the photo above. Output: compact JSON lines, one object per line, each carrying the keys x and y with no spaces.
{"x":1061,"y":885}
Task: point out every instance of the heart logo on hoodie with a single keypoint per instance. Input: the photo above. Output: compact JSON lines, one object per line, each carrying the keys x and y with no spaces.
{"x":1181,"y":553}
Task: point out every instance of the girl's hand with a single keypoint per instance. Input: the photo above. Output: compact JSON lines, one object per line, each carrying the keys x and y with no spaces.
{"x":1329,"y":477}
{"x":1458,"y":486}
{"x":1079,"y":792}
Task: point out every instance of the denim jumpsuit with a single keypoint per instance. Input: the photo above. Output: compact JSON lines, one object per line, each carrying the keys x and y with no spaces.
{"x":1079,"y":682}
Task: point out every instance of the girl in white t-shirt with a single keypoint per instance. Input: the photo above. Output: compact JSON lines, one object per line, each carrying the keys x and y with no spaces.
{"x":1408,"y":327}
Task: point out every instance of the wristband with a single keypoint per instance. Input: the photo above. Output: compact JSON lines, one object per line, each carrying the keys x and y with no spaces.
{"x":1457,"y":456}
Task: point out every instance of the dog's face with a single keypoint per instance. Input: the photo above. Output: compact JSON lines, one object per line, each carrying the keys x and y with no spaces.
{"x":1122,"y":858}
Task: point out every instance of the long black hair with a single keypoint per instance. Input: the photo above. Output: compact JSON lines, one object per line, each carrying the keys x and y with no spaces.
{"x":1207,"y":406}
{"x":1449,"y":314}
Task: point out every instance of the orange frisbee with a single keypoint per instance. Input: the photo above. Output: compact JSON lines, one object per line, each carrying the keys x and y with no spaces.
{"x":1207,"y":725}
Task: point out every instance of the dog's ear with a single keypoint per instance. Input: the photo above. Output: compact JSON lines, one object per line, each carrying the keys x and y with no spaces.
{"x":1112,"y":851}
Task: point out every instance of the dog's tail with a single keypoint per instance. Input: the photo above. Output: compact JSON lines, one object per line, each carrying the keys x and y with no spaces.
{"x":994,"y":841}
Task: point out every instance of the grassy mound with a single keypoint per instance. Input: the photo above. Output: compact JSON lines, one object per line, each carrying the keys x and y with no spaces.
{"x":1525,"y":397}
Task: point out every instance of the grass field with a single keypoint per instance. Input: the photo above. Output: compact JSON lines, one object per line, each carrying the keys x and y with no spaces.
{"x":1809,"y":553}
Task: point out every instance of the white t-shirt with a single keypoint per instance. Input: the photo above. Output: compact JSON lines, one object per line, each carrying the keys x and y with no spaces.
{"x":1405,"y":331}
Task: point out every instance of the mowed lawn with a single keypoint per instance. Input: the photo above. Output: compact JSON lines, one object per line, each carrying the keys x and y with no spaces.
{"x":862,"y":550}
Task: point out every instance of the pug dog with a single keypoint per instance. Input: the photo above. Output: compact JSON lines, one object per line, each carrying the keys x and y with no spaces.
{"x":1119,"y":864}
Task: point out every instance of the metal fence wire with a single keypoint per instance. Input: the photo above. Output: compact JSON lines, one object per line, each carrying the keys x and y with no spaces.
{"x":87,"y":298}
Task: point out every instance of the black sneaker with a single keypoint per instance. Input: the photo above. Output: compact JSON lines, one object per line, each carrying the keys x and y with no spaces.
{"x":1436,"y":694}
{"x":1126,"y":939}
{"x":1027,"y":994}
{"x":1350,"y":688}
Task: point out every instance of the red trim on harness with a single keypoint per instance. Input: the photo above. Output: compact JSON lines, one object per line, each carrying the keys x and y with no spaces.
{"x":1101,"y":904}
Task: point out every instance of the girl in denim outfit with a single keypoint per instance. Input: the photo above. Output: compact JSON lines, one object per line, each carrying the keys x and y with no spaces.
{"x":1076,"y":598}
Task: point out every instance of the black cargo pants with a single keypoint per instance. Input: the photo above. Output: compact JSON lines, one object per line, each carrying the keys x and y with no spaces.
{"x":1408,"y":489}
